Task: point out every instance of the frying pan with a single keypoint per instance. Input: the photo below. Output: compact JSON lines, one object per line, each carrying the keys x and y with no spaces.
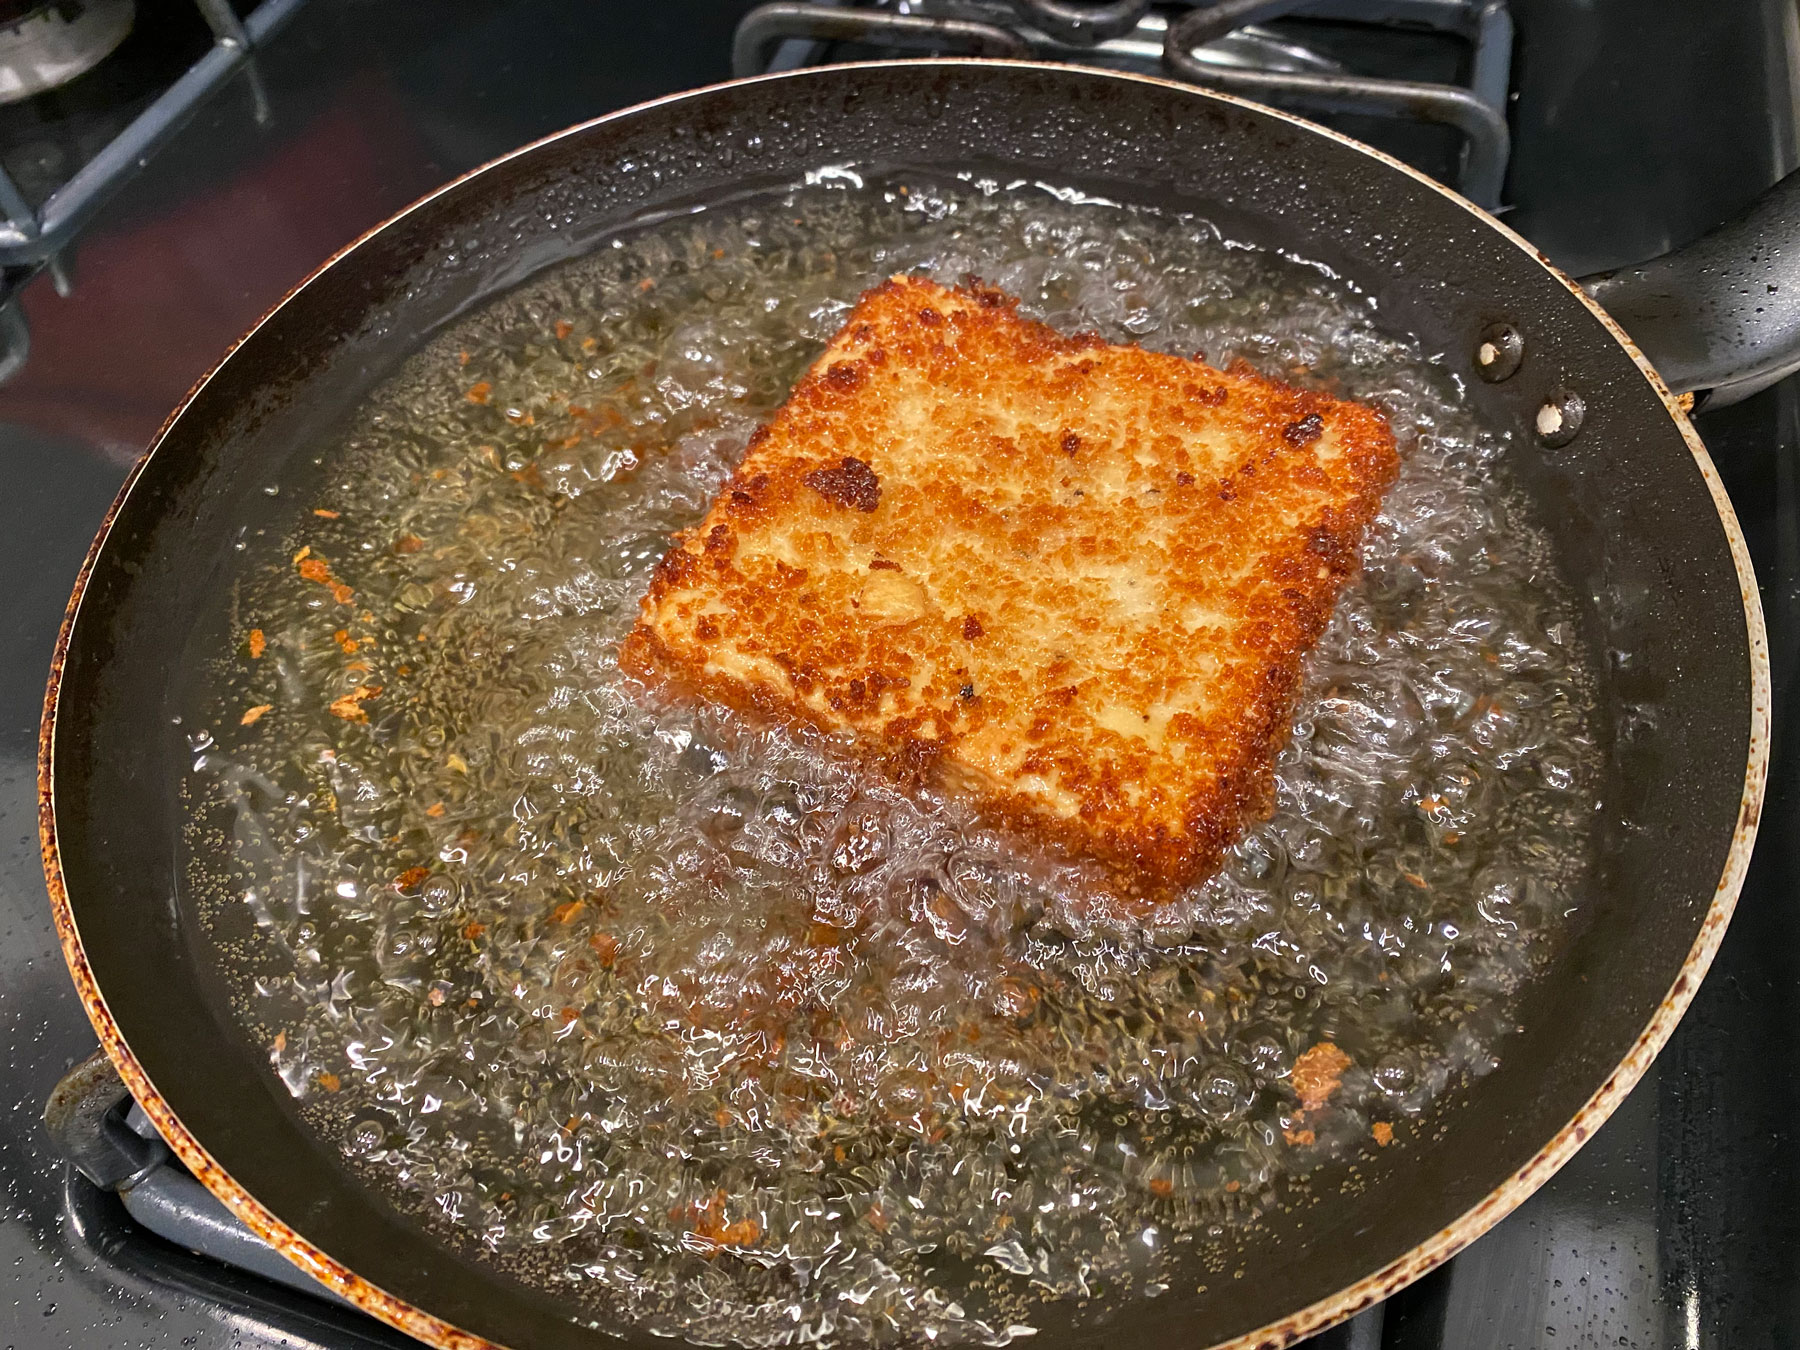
{"x":1643,"y":531}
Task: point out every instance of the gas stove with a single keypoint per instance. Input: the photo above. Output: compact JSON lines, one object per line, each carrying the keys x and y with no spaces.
{"x":1426,"y":79}
{"x":1608,"y":132}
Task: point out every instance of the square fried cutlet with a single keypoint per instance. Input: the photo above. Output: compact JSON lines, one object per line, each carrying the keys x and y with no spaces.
{"x":1072,"y":579}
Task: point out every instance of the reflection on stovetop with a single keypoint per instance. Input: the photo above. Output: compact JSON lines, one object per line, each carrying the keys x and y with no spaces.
{"x":1635,"y":124}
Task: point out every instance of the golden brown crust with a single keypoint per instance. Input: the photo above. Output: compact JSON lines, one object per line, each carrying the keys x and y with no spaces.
{"x":1076,"y":580}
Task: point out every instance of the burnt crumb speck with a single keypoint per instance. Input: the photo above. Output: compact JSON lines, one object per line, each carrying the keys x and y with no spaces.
{"x":1332,"y":547}
{"x":844,"y":376}
{"x":1071,"y":442}
{"x":883,"y":565}
{"x":675,"y":569}
{"x":745,"y":493}
{"x":1184,"y":478}
{"x":1304,"y":432}
{"x":981,"y":293}
{"x":967,"y":692}
{"x":929,"y":316}
{"x":972,"y":628}
{"x":852,"y":483}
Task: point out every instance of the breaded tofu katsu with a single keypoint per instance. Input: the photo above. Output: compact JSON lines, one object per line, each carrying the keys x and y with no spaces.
{"x":1073,"y":580}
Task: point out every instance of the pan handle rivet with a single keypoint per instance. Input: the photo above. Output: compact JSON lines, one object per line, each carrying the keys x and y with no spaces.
{"x":1559,"y":419}
{"x":1498,"y":352}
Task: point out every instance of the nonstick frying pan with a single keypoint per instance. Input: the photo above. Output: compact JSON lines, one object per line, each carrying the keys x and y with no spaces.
{"x":1644,"y":534}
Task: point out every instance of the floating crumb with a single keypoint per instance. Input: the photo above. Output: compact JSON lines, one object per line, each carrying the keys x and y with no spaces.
{"x":1382,"y":1132}
{"x":252,"y":714}
{"x":456,"y":762}
{"x":411,"y":877}
{"x":563,"y":329}
{"x":408,"y":543}
{"x":588,"y":344}
{"x":325,"y":514}
{"x":350,"y":708}
{"x":315,"y":568}
{"x":478,"y":393}
{"x":648,"y":283}
{"x":258,"y":644}
{"x":435,"y":997}
{"x":606,"y":946}
{"x":329,"y":1081}
{"x":435,"y":810}
{"x":1162,"y":1186}
{"x":708,"y":1221}
{"x":280,"y":1041}
{"x":1233,"y":1187}
{"x":564,"y":912}
{"x":462,"y":358}
{"x":343,"y":639}
{"x":472,"y":929}
{"x":1317,"y":1074}
{"x":1301,"y":1137}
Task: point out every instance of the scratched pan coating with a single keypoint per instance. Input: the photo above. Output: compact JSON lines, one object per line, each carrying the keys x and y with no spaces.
{"x":1643,"y":533}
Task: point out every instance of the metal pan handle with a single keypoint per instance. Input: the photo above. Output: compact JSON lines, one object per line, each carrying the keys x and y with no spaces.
{"x":1720,"y":317}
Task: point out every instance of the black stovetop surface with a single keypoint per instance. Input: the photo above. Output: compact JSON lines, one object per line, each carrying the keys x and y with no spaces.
{"x":1638,"y":123}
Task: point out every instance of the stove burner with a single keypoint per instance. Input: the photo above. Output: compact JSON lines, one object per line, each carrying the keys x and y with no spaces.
{"x":34,"y":239}
{"x":1223,"y":45}
{"x":111,"y":1143}
{"x":44,"y":46}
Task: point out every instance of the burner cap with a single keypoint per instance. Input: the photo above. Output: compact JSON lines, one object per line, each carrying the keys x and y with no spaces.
{"x":45,"y":45}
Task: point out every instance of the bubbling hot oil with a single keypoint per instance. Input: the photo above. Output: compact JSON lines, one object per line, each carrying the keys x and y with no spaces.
{"x":700,"y":1025}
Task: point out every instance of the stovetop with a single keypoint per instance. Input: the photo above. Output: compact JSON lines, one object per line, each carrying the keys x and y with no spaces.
{"x":1636,"y":124}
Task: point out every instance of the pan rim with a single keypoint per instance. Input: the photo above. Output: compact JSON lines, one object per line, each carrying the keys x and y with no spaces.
{"x":1418,"y":1260}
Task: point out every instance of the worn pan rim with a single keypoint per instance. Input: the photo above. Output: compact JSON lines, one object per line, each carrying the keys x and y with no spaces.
{"x":1346,"y":1302}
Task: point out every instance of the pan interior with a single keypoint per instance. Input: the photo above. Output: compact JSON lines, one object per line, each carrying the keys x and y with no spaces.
{"x":635,"y":999}
{"x":1631,"y":556}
